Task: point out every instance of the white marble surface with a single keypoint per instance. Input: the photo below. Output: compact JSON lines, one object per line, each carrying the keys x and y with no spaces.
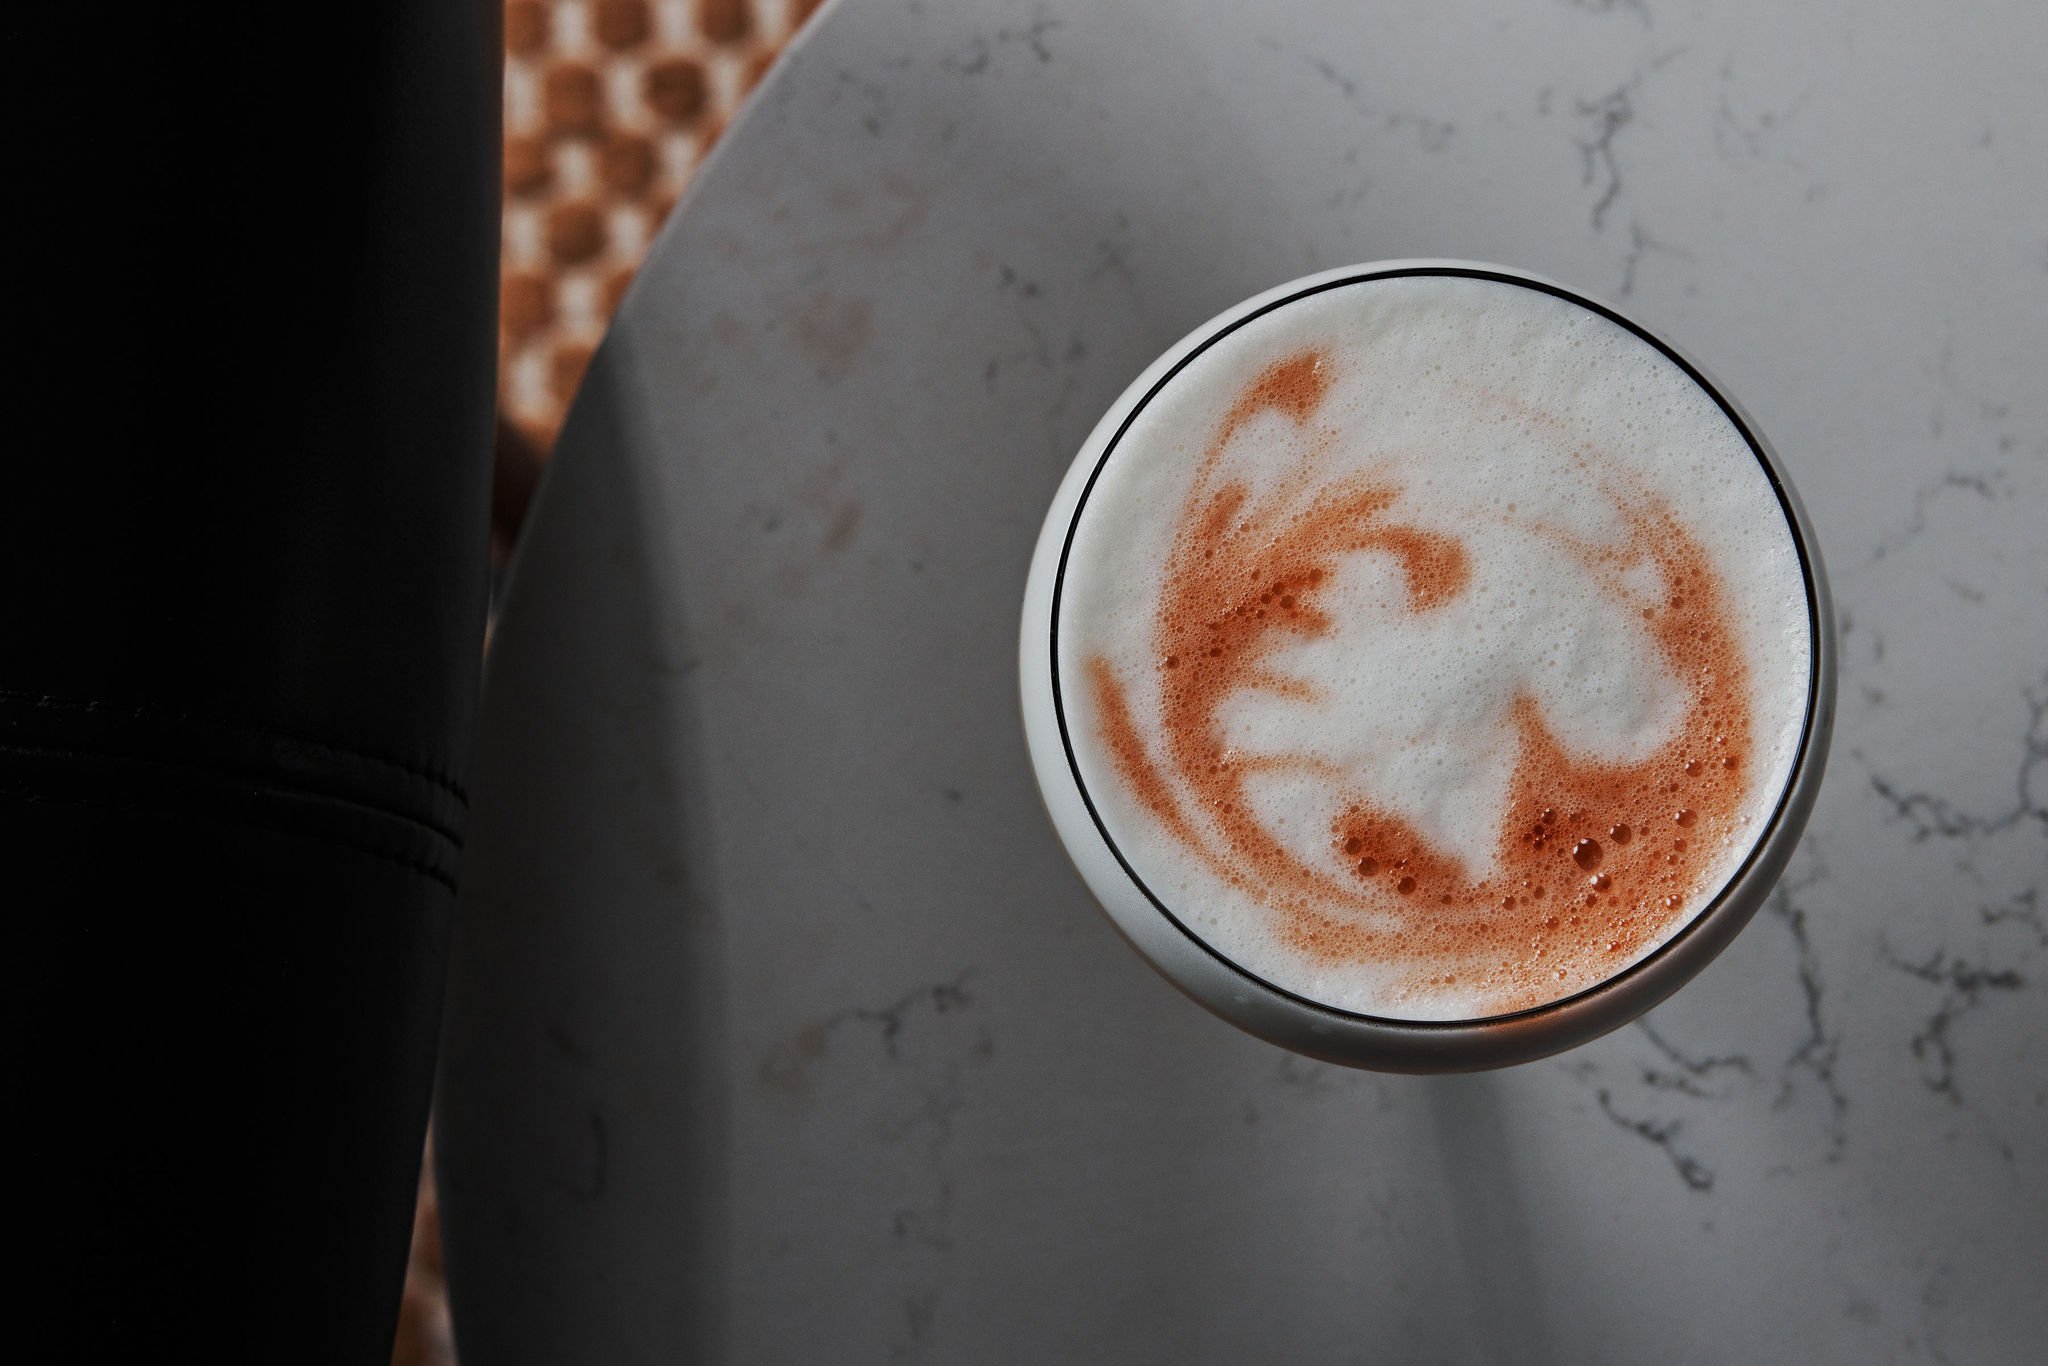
{"x":780,"y":1029}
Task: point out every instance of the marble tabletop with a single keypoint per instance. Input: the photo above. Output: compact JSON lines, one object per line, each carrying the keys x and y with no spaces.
{"x":780,"y":1029}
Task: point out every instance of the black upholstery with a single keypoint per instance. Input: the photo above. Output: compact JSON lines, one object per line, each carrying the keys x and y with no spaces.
{"x":242,"y":591}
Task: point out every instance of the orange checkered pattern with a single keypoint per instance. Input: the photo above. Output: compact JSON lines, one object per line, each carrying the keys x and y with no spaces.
{"x":610,"y":106}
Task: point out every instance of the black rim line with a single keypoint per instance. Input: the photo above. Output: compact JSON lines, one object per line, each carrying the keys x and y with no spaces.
{"x":1764,"y":838}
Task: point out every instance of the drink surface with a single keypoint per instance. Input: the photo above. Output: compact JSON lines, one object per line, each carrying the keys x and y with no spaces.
{"x":1432,"y":647}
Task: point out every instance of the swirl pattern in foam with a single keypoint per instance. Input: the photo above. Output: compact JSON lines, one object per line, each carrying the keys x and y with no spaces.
{"x":1433,"y":647}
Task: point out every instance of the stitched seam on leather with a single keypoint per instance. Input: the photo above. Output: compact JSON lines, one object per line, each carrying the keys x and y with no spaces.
{"x":426,"y":870}
{"x":146,"y":711}
{"x":283,"y":784}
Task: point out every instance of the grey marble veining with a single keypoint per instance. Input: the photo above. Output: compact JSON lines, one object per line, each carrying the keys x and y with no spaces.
{"x":780,"y":1029}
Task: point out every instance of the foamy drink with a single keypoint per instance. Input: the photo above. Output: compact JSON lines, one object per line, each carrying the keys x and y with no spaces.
{"x":1431,"y":646}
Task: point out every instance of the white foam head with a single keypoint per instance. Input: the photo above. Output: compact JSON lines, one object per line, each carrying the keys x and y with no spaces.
{"x":1433,"y":646}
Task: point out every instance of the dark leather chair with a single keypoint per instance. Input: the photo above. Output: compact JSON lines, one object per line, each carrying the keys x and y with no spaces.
{"x":242,"y":594}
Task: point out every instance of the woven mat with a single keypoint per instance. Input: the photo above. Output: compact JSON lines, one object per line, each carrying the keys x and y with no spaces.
{"x":610,"y":107}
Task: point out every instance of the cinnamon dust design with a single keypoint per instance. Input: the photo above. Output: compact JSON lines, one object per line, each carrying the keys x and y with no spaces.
{"x":1595,"y":860}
